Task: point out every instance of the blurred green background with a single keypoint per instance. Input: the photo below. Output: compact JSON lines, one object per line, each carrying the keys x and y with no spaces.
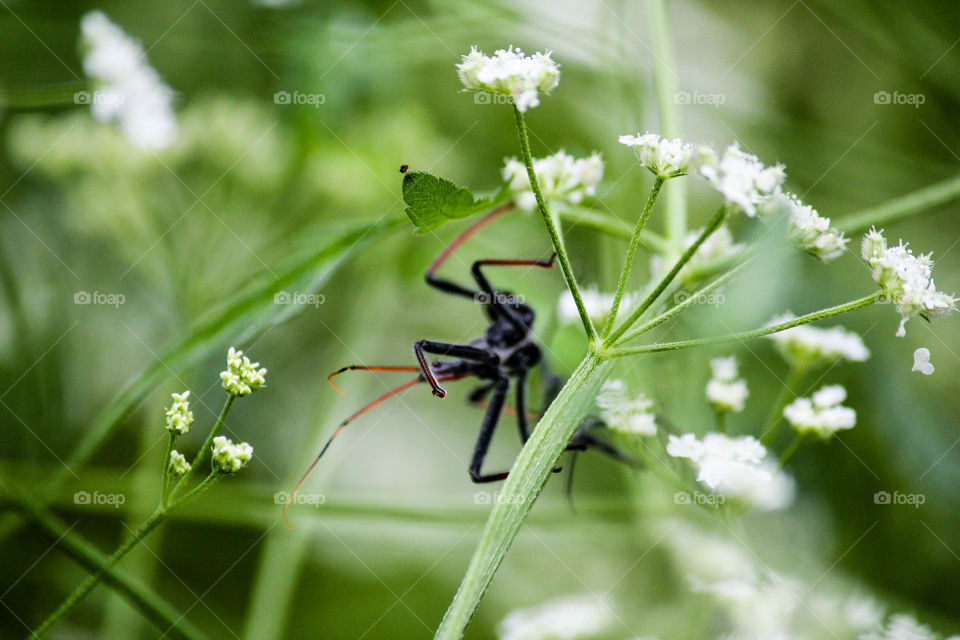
{"x":251,"y":185}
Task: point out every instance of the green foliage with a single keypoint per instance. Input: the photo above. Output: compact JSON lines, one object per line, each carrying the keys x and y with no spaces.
{"x":433,"y":201}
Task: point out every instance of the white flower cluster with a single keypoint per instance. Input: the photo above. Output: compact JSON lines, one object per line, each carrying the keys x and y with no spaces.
{"x":229,"y":457}
{"x":563,"y":618}
{"x":562,"y":178}
{"x":903,"y":627}
{"x":811,"y":231}
{"x":737,"y":467}
{"x":719,"y":246}
{"x":242,"y":377}
{"x":906,"y":279}
{"x":621,"y":412}
{"x":128,"y":91}
{"x":740,"y":177}
{"x":179,"y":416}
{"x":665,"y":158}
{"x":597,"y":303}
{"x":725,"y":391}
{"x":805,"y":346}
{"x":822,"y":413}
{"x":510,"y":72}
{"x":178,"y":463}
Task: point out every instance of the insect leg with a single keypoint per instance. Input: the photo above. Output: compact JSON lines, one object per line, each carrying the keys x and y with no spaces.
{"x":466,"y":352}
{"x":489,"y":425}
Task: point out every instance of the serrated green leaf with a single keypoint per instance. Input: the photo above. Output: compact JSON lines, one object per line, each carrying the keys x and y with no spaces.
{"x":433,"y":201}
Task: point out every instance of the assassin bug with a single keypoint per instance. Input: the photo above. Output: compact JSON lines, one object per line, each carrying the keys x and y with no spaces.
{"x":502,"y":356}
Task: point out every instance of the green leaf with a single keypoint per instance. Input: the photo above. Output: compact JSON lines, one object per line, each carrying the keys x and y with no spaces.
{"x":433,"y":201}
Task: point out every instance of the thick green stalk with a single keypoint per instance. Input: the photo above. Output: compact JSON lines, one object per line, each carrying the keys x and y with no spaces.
{"x":712,"y":226}
{"x":555,"y":238}
{"x":902,"y":207}
{"x":530,"y":472}
{"x":747,"y":335}
{"x":665,"y":85}
{"x":631,"y":250}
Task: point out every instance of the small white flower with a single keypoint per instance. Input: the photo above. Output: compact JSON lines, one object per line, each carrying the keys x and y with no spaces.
{"x":621,"y":412}
{"x":905,"y":279}
{"x":665,"y":158}
{"x":805,"y":346}
{"x":510,"y":72}
{"x":921,"y":361}
{"x":725,"y":391}
{"x":740,"y":177}
{"x":562,"y":178}
{"x":811,"y":231}
{"x":229,"y":457}
{"x":738,"y":467}
{"x":719,"y":246}
{"x":901,"y":627}
{"x":178,"y":463}
{"x":597,"y":304}
{"x":128,"y":91}
{"x":242,"y":377}
{"x":822,"y":413}
{"x":563,"y":618}
{"x":179,"y":416}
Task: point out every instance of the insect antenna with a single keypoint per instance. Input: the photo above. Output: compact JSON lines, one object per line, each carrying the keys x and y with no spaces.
{"x":351,"y":418}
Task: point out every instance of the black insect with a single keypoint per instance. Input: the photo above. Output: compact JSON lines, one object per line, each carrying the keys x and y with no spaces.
{"x":503,"y":356}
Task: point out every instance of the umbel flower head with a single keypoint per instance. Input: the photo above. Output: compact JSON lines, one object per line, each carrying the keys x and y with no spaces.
{"x":178,"y":463}
{"x":905,"y":279}
{"x":229,"y":457}
{"x":179,"y":416}
{"x":811,"y":231}
{"x":806,"y":346}
{"x":740,"y":177}
{"x":510,"y":72}
{"x":621,"y":412}
{"x":902,"y":627}
{"x":242,"y":377}
{"x":725,"y":391}
{"x":822,"y":413}
{"x":664,"y":158}
{"x":129,"y":92}
{"x":737,"y":467}
{"x":562,"y":178}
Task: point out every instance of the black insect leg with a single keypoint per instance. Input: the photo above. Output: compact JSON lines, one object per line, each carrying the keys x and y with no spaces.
{"x":521,"y":400}
{"x":446,"y":285}
{"x":489,"y":425}
{"x":466,"y":352}
{"x":493,"y":297}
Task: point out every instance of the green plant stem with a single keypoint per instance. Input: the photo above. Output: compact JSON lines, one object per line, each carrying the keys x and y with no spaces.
{"x":54,"y":96}
{"x":151,"y":605}
{"x":548,"y":220}
{"x":201,"y":457}
{"x":747,"y":335}
{"x":165,"y":471}
{"x":902,"y":207}
{"x":785,"y":397}
{"x":530,"y":472}
{"x":606,"y":223}
{"x":631,"y":250}
{"x":792,"y":448}
{"x":665,"y":85}
{"x":712,"y":226}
